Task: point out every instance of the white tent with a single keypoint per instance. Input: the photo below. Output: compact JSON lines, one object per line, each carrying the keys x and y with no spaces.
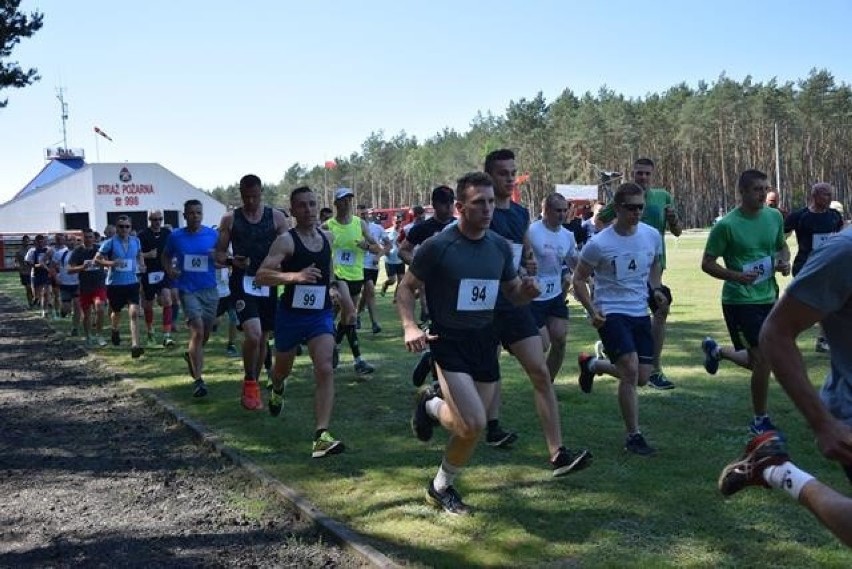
{"x":577,"y":191}
{"x":67,"y":195}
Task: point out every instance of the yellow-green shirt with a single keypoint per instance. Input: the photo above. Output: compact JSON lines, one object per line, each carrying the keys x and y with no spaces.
{"x":348,"y":257}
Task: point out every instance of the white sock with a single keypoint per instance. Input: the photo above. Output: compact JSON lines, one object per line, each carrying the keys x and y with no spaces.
{"x":446,"y":475}
{"x":787,"y":477}
{"x":433,"y":407}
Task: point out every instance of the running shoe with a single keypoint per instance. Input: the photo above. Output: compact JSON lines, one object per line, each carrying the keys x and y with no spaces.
{"x":136,"y":352}
{"x":658,"y":380}
{"x":251,"y":399}
{"x":568,"y":461}
{"x":498,"y":438}
{"x":363,"y":368}
{"x":326,"y":444}
{"x":762,"y":425}
{"x":767,"y":449}
{"x":101,"y":342}
{"x":276,"y":402}
{"x":199,"y":388}
{"x":376,"y":328}
{"x":231,"y":351}
{"x":422,"y":369}
{"x":636,"y":444}
{"x":711,"y":355}
{"x":449,"y":500}
{"x":168,"y":342}
{"x":422,"y":424}
{"x":116,"y":338}
{"x":586,"y":378}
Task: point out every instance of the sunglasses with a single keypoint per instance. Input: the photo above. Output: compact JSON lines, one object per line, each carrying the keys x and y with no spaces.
{"x":633,"y":206}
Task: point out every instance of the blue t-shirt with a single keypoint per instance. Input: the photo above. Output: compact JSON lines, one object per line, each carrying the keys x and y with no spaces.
{"x":193,"y":252}
{"x":125,"y":257}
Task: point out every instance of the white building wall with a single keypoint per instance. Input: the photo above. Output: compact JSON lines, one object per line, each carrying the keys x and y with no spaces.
{"x":99,"y":190}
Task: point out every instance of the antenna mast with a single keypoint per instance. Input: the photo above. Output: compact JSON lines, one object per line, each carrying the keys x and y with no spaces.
{"x":64,"y":107}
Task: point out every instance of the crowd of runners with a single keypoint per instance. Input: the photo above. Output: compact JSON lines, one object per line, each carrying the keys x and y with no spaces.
{"x":484,"y":277}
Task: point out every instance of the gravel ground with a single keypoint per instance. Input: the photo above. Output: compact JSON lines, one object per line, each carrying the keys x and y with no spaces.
{"x":92,"y":475}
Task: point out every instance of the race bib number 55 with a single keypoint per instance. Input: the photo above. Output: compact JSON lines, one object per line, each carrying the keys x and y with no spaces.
{"x":477,"y":294}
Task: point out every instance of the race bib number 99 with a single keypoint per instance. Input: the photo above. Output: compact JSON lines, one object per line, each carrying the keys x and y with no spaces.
{"x":477,"y":294}
{"x":309,"y":297}
{"x":251,"y":287}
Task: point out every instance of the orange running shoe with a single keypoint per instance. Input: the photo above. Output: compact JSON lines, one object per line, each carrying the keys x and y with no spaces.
{"x":251,"y":399}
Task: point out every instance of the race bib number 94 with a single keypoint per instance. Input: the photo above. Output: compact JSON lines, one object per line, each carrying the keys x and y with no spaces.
{"x":309,"y":297}
{"x":477,"y":294}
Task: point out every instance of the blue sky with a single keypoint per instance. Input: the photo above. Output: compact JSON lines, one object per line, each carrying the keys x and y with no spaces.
{"x":212,"y":93}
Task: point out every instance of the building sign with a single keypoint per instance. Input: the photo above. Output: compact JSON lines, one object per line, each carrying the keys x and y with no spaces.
{"x":126,"y":193}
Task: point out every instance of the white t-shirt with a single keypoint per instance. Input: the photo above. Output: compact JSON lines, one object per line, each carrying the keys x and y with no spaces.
{"x":222,"y":285}
{"x":377,"y":232}
{"x":622,"y":264}
{"x":550,"y":249}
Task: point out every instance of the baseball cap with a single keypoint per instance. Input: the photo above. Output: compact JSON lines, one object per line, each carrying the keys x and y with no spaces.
{"x":343,"y":193}
{"x":442,"y":194}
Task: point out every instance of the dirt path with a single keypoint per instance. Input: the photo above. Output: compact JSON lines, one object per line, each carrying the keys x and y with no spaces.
{"x":91,"y":475}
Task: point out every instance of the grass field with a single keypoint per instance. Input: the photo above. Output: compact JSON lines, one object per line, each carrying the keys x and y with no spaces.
{"x":622,"y":511}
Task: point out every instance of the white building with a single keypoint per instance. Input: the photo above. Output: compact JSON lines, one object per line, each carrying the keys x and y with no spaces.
{"x":70,"y":194}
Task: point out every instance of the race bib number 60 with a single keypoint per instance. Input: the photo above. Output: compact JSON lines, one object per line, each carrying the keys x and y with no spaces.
{"x":477,"y":294}
{"x":195,"y":263}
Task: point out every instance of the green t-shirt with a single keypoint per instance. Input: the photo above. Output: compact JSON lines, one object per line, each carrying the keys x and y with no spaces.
{"x":654,"y":214}
{"x":746,"y":242}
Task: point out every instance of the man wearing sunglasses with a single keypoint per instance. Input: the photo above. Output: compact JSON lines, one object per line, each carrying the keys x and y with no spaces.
{"x":122,"y":255}
{"x":625,"y":258}
{"x":751,"y":241}
{"x":660,"y":214}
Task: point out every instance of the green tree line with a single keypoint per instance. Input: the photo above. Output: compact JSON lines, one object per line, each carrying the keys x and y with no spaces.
{"x":700,"y":138}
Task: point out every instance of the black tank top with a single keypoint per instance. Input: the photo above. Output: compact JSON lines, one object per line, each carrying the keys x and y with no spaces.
{"x":252,"y":240}
{"x":303,"y":258}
